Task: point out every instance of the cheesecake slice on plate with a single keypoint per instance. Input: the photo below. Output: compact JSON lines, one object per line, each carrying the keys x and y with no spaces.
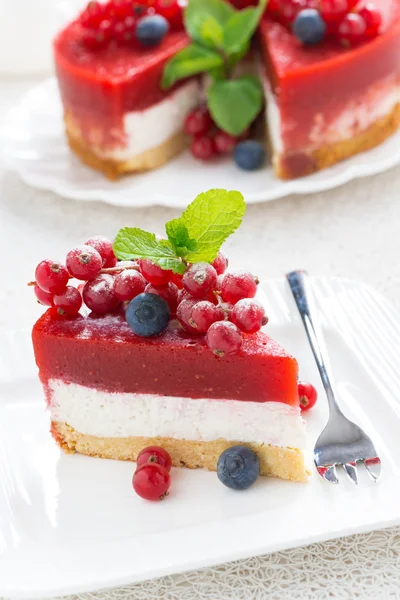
{"x":167,"y":352}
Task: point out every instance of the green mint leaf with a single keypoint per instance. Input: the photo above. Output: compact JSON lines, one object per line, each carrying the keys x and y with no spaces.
{"x":240,"y":27}
{"x":205,"y":20}
{"x":179,"y":238}
{"x":132,"y":242}
{"x":190,"y":61}
{"x":210,"y":219}
{"x":234,"y":104}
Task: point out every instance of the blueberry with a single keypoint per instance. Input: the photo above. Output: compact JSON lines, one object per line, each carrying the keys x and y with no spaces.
{"x":151,"y":30}
{"x":249,"y":155}
{"x":148,"y":315}
{"x":238,"y":467}
{"x":309,"y":27}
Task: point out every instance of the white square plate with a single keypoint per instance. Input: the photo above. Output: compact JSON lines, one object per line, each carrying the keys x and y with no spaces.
{"x":69,"y":523}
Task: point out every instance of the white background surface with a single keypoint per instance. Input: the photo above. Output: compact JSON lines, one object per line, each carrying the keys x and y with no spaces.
{"x":352,"y":232}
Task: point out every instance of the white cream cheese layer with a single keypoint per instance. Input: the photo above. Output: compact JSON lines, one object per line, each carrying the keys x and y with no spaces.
{"x":103,"y":414}
{"x":149,"y":128}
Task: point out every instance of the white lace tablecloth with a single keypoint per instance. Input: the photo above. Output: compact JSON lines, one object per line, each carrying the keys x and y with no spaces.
{"x":351,"y":232}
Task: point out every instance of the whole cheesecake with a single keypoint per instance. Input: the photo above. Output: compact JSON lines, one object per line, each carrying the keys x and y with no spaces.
{"x":324,"y":102}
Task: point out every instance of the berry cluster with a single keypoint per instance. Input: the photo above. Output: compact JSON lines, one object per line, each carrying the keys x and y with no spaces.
{"x":219,"y":305}
{"x":209,"y":142}
{"x":349,"y":21}
{"x":151,"y":479}
{"x":129,"y":22}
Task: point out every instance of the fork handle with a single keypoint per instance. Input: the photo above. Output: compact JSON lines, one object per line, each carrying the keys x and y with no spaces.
{"x":300,"y":287}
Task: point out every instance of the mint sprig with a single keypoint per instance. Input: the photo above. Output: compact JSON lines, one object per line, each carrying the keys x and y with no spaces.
{"x":221,"y":37}
{"x":196,"y":236}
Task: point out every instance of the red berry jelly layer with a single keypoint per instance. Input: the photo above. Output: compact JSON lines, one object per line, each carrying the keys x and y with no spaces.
{"x":313,"y":85}
{"x":102,"y":352}
{"x":99,"y":86}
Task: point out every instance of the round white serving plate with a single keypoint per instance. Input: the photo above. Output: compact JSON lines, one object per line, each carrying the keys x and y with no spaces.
{"x":70,"y":523}
{"x":33,"y":144}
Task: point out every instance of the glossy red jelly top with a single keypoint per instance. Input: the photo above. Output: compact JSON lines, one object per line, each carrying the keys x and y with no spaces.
{"x":113,"y":80}
{"x":321,"y":81}
{"x":102,"y":352}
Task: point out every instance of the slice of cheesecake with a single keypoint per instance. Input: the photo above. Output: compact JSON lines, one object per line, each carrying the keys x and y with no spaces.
{"x":111,"y":393}
{"x":328,"y":102}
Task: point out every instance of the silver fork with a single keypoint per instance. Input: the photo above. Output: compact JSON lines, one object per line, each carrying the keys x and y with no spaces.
{"x":342,"y":443}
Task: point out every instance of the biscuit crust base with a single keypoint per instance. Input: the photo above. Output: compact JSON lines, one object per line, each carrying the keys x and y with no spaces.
{"x":113,"y":168}
{"x":286,"y":463}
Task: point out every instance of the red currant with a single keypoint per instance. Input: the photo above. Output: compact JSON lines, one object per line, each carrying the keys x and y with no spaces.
{"x":184,"y":313}
{"x":93,"y":40}
{"x":168,"y":291}
{"x":200,"y":279}
{"x":203,"y":148}
{"x":177,"y":280}
{"x":289,"y":9}
{"x":119,"y":9}
{"x":352,"y":30}
{"x":224,"y":142}
{"x":248,"y":315}
{"x":69,"y":302}
{"x":98,"y":294}
{"x":220,"y":263}
{"x":92,"y":15}
{"x":128,"y":285}
{"x":151,"y":481}
{"x":372,"y":18}
{"x":153,"y":273}
{"x":307,"y":395}
{"x":184,"y":295}
{"x":51,"y":276}
{"x":333,"y":10}
{"x":104,"y":247}
{"x":84,"y":262}
{"x":224,"y":338}
{"x":236,"y":286}
{"x":198,"y":122}
{"x":172,"y":10}
{"x":43,"y":297}
{"x":273,"y":7}
{"x":154,"y":454}
{"x":204,"y":314}
{"x":352,"y":4}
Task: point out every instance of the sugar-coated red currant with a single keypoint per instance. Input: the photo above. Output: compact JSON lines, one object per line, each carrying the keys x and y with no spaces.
{"x":98,"y":294}
{"x":352,"y":30}
{"x":68,"y":302}
{"x":129,"y":284}
{"x":84,"y":262}
{"x":204,"y":314}
{"x":154,"y":454}
{"x":224,"y":338}
{"x":184,"y":295}
{"x":236,"y":286}
{"x":248,"y":315}
{"x":92,"y":15}
{"x":289,"y":9}
{"x":153,"y":273}
{"x":198,"y":122}
{"x":51,"y":276}
{"x":169,"y":292}
{"x":224,"y":142}
{"x":104,"y":247}
{"x":151,"y":481}
{"x":184,"y":313}
{"x":203,"y":148}
{"x":307,"y":395}
{"x":199,"y":279}
{"x":220,"y":263}
{"x":45,"y":298}
{"x":372,"y":18}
